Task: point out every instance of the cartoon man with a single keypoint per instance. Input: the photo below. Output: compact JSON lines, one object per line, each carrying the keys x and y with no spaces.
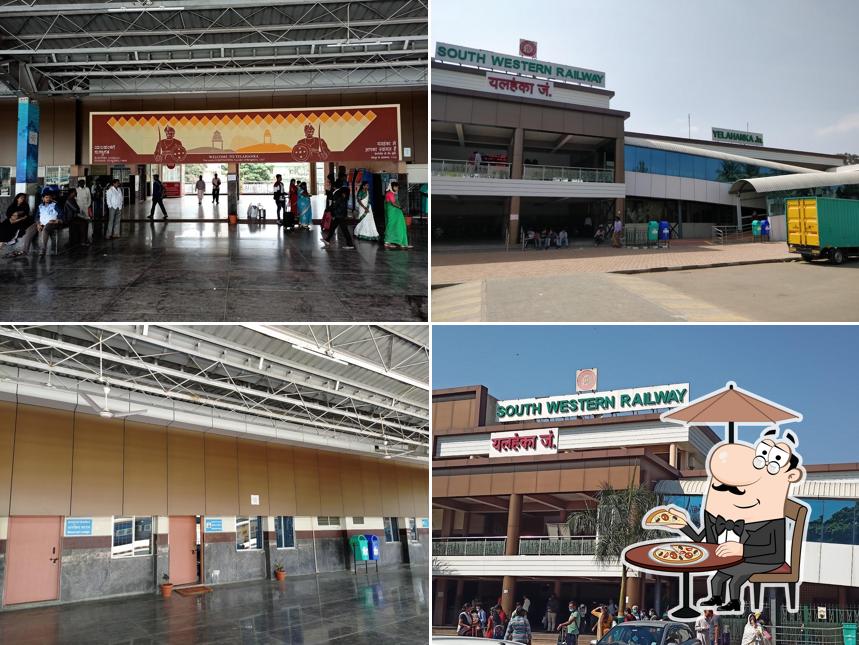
{"x":169,"y":151}
{"x":310,"y":147}
{"x":744,"y":510}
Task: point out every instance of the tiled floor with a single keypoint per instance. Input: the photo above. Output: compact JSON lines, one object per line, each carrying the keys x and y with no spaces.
{"x":339,"y":608}
{"x":203,"y":270}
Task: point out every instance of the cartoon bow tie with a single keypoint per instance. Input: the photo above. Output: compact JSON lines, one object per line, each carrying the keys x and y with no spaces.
{"x":723,"y":525}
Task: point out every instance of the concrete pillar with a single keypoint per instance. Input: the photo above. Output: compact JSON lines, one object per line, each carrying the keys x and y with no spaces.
{"x":514,"y":516}
{"x":233,"y":184}
{"x":458,"y":599}
{"x":739,"y":213}
{"x":633,"y":591}
{"x":27,"y":158}
{"x":447,"y":522}
{"x":508,"y":594}
{"x":618,"y":160}
{"x":513,"y":221}
{"x":842,"y":597}
{"x":672,"y":455}
{"x":439,"y":600}
{"x":620,"y":208}
{"x":518,"y":153}
{"x":312,"y":185}
{"x":557,"y":589}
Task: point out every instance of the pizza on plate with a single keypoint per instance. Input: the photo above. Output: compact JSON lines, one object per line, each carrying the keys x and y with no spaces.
{"x":677,"y":554}
{"x":665,"y":517}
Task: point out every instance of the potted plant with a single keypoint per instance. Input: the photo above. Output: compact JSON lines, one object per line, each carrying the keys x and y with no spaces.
{"x":166,"y":587}
{"x":279,"y":573}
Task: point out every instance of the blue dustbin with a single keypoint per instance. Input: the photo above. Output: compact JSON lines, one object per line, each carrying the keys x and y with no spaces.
{"x":765,"y":228}
{"x":849,"y":630}
{"x":372,"y":547}
{"x":664,"y":230}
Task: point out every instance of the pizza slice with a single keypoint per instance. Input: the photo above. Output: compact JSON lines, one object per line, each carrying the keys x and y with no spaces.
{"x":664,"y":517}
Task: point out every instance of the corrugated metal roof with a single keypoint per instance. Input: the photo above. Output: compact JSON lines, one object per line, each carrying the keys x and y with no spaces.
{"x":795,"y":182}
{"x":725,"y":156}
{"x":832,"y":486}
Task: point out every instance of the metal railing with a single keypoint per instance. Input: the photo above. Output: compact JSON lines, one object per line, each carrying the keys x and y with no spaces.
{"x":468,"y":546}
{"x":464,"y":168}
{"x":808,"y":614}
{"x":725,"y":234}
{"x":807,"y":635}
{"x":567,"y":174}
{"x":528,"y":545}
{"x":557,"y":546}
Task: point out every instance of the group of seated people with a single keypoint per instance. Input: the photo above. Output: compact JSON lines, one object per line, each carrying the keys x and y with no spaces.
{"x":20,"y":227}
{"x":547,"y":238}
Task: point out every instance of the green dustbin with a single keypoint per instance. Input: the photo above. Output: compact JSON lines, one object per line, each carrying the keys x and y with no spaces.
{"x":849,"y":633}
{"x":756,"y":228}
{"x":652,"y":231}
{"x":360,"y":551}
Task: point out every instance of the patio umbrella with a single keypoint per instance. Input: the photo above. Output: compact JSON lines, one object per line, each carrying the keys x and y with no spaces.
{"x":731,"y":405}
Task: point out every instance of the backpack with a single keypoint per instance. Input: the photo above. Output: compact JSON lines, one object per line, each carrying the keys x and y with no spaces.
{"x":327,"y":219}
{"x":253,"y":211}
{"x":498,"y":630}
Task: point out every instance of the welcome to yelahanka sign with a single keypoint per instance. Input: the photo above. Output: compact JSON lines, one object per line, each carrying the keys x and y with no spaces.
{"x":518,"y":65}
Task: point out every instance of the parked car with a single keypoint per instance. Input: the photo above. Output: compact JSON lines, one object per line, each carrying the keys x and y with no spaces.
{"x":649,"y":632}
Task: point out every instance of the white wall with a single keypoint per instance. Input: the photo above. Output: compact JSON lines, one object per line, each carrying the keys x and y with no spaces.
{"x":475,"y":186}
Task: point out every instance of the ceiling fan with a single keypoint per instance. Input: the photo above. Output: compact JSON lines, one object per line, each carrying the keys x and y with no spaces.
{"x":104,"y":410}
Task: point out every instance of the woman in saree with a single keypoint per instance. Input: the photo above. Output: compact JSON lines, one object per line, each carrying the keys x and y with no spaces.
{"x":293,"y":200}
{"x":396,"y":236}
{"x":17,"y":221}
{"x":366,"y":227}
{"x":305,"y":213}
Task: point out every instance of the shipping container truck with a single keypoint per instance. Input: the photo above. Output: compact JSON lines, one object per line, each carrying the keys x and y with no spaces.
{"x":823,"y":227}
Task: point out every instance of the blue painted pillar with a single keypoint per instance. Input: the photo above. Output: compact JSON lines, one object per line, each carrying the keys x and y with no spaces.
{"x":26,"y":175}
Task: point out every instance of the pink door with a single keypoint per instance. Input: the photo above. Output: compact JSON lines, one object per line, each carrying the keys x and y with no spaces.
{"x":182,"y":542}
{"x":33,"y":559}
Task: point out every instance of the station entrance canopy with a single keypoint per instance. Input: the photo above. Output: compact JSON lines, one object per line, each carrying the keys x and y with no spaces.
{"x":364,"y":133}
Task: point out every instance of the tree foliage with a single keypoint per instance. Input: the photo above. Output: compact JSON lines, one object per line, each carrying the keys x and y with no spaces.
{"x":257,"y":171}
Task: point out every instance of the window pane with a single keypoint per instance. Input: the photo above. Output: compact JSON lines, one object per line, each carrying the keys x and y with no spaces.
{"x":278,"y":531}
{"x":815,"y":520}
{"x":243,"y":533}
{"x":288,"y":532}
{"x":630,"y":158}
{"x":413,"y":530}
{"x":142,"y":535}
{"x":122,"y":537}
{"x":700,"y":165}
{"x":838,"y":521}
{"x":643,"y":162}
{"x":395,"y":530}
{"x":357,"y":520}
{"x":713,"y":167}
{"x":672,"y":164}
{"x":657,"y":162}
{"x":388,"y":534}
{"x":687,"y":165}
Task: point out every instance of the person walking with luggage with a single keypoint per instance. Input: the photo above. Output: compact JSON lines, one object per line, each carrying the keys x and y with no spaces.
{"x":157,"y":197}
{"x":279,"y":198}
{"x":338,"y":214}
{"x":201,"y":190}
{"x":216,"y":188}
{"x":114,"y":210}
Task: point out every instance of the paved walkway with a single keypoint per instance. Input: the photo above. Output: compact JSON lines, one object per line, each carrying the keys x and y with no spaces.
{"x":206,"y":270}
{"x":453,"y":267}
{"x":338,"y":608}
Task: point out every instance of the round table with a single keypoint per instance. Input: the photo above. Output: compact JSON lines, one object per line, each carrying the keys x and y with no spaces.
{"x":639,"y":558}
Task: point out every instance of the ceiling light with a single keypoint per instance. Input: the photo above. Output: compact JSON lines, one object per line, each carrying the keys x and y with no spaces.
{"x":319,"y":353}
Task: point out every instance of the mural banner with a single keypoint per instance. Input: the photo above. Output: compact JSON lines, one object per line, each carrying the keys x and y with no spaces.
{"x":363,"y":133}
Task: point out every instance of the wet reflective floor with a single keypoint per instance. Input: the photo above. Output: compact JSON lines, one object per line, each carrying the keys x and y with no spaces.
{"x":338,"y":608}
{"x":203,"y":270}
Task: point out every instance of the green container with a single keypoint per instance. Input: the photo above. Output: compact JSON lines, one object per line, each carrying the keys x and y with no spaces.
{"x":652,"y":231}
{"x":849,"y":633}
{"x":834,"y":225}
{"x":360,"y":550}
{"x":756,"y":228}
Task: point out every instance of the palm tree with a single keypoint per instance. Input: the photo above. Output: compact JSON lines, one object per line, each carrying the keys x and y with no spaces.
{"x":616,"y":521}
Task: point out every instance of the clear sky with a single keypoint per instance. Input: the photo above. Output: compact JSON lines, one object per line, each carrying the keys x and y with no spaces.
{"x":788,"y":68}
{"x":813,"y":370}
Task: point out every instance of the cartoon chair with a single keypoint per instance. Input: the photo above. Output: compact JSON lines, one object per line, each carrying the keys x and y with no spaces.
{"x":788,"y":574}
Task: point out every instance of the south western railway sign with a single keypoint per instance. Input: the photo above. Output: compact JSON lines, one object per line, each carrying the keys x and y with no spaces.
{"x":576,"y":405}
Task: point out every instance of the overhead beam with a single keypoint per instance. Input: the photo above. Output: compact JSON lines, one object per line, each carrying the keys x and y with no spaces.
{"x":274,"y":28}
{"x":84,"y":8}
{"x":450,"y":504}
{"x":547,"y":500}
{"x":332,"y":42}
{"x":492,"y":502}
{"x":562,"y":142}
